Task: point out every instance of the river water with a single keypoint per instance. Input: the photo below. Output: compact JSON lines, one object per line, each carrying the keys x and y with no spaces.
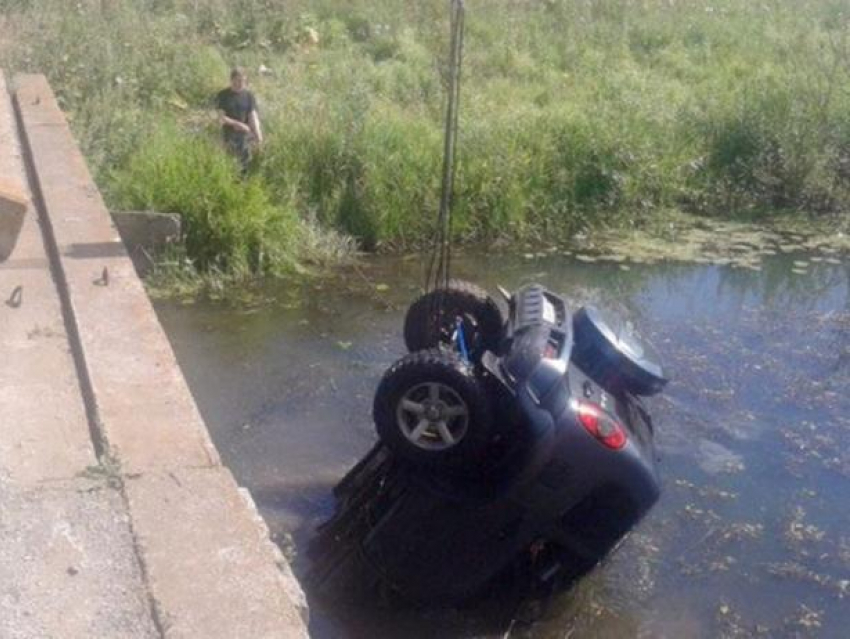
{"x":751,"y":536}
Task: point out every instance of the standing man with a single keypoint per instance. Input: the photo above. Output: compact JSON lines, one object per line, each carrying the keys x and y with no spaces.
{"x":237,"y":113}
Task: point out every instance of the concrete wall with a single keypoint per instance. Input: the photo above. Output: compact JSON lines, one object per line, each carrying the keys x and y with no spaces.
{"x":117,"y":413}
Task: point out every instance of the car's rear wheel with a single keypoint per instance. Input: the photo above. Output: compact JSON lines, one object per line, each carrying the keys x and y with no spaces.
{"x":432,"y":320}
{"x":429,"y":408}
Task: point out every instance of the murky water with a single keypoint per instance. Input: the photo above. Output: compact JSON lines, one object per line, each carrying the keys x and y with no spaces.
{"x":752,"y":534}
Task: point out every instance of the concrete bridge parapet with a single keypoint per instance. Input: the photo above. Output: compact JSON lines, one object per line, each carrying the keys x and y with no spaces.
{"x":118,"y":518}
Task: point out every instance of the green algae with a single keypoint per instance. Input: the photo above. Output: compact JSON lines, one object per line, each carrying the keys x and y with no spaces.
{"x":722,"y":243}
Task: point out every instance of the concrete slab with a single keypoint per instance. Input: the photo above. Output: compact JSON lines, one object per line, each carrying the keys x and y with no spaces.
{"x":67,"y":564}
{"x":206,"y":553}
{"x":146,"y":411}
{"x":150,"y":230}
{"x":45,"y":433}
{"x":145,"y":234}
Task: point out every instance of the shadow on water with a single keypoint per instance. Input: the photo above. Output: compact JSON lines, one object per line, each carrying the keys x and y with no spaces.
{"x":752,"y":534}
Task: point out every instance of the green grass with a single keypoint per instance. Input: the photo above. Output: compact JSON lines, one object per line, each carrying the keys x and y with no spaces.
{"x":575,"y":115}
{"x":229,"y":224}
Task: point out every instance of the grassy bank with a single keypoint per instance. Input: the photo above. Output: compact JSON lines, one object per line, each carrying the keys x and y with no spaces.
{"x":575,"y":114}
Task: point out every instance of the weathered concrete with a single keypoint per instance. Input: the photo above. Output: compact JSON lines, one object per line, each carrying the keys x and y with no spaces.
{"x":13,"y":207}
{"x":67,"y":564}
{"x":199,"y":534}
{"x":145,"y":409}
{"x":149,"y":229}
{"x":205,"y":563}
{"x":146,"y":233}
{"x":43,"y":432}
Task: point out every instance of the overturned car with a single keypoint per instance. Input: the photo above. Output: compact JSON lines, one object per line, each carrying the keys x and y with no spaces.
{"x":508,"y":446}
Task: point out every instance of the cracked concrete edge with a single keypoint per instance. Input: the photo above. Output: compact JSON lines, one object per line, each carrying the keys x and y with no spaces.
{"x":211,"y":567}
{"x":291,"y":585}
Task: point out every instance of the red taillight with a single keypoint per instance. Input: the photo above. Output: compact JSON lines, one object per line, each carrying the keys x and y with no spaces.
{"x":601,"y":425}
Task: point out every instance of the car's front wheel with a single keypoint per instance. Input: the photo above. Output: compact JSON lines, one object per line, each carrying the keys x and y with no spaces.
{"x":430,"y":408}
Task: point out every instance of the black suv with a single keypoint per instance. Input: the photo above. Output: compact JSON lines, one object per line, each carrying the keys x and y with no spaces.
{"x":517,"y":446}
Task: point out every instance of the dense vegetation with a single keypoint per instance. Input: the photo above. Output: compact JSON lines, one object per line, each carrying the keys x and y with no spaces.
{"x":575,"y":113}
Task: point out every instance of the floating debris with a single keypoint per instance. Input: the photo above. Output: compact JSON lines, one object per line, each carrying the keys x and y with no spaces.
{"x":844,"y":551}
{"x":806,"y":617}
{"x":745,"y":265}
{"x":798,"y":531}
{"x":715,"y":458}
{"x":618,"y":258}
{"x":798,"y":572}
{"x":732,"y":626}
{"x":692,"y":239}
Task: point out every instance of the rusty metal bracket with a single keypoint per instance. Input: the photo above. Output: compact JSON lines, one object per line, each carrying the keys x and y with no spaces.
{"x":16,"y":298}
{"x":103,"y":280}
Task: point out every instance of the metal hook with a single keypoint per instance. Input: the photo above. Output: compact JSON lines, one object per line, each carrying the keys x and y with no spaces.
{"x":16,"y":298}
{"x":103,"y":280}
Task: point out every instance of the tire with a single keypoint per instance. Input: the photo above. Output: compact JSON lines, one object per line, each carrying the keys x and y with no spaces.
{"x":430,"y":409}
{"x":430,"y":321}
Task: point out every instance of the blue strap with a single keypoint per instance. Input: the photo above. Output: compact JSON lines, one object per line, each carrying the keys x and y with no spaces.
{"x":461,"y":340}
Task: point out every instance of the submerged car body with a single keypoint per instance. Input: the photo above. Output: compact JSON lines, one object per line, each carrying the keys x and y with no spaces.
{"x":570,"y":470}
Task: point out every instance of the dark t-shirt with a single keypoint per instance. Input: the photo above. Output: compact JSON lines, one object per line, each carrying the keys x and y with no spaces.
{"x":237,"y":105}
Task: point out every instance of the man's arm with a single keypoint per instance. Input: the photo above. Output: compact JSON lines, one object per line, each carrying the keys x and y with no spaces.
{"x":254,"y":122}
{"x":235,"y":124}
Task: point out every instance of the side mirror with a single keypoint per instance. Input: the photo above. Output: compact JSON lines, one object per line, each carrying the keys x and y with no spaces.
{"x":13,"y":207}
